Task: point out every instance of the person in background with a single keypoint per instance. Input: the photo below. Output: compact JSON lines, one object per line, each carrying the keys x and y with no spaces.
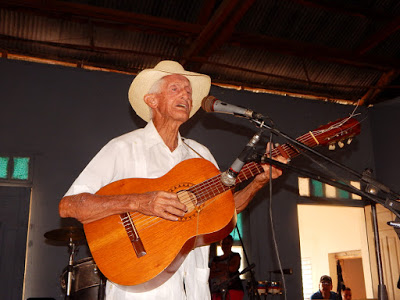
{"x":346,"y":293}
{"x":224,"y":273}
{"x":325,"y":289}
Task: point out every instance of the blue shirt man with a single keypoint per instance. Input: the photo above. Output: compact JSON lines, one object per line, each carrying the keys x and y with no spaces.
{"x":325,"y":289}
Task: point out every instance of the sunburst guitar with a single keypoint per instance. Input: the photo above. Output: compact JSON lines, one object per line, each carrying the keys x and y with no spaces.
{"x":143,"y":251}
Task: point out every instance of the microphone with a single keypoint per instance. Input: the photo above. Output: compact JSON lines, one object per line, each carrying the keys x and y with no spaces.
{"x":212,"y":104}
{"x":228,"y":178}
{"x":394,"y":224}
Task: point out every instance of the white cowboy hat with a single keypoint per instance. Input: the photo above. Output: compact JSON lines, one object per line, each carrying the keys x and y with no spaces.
{"x":143,"y":81}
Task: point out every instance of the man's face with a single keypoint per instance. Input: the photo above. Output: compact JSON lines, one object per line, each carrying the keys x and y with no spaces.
{"x":226,"y":245}
{"x":175,"y":98}
{"x":325,"y":286}
{"x":346,"y":295}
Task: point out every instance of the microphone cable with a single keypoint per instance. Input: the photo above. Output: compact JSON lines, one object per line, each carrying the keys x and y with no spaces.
{"x":276,"y":248}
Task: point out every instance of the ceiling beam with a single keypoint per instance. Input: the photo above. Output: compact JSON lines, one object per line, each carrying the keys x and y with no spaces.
{"x":377,"y":38}
{"x":123,"y":20}
{"x":63,"y":9}
{"x":383,"y":82}
{"x":219,"y":35}
{"x":219,"y":17}
{"x":201,"y":60}
{"x":312,"y":51}
{"x":228,"y":29}
{"x":206,"y":11}
{"x":345,"y":9}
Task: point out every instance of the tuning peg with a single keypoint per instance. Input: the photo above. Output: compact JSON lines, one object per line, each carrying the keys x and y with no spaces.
{"x":340,"y":144}
{"x":349,"y":141}
{"x":332,"y":146}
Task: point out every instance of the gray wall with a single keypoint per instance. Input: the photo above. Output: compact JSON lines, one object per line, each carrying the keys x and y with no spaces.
{"x":63,"y":116}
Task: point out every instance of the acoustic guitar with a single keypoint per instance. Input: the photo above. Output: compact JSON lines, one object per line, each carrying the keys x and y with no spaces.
{"x":143,"y":251}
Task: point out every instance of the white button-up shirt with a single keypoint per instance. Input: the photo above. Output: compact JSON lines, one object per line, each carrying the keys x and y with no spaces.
{"x":143,"y":154}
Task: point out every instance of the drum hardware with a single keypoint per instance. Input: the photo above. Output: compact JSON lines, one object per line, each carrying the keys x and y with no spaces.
{"x":88,"y":282}
{"x":72,"y":236}
{"x":223,"y":286}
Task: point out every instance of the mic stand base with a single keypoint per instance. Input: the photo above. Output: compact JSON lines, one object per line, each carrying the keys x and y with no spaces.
{"x":382,"y":292}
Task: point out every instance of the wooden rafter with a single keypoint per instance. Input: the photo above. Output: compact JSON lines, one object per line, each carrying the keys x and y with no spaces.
{"x":385,"y":80}
{"x":373,"y":41}
{"x":306,"y":50}
{"x":344,"y":9}
{"x":63,"y":9}
{"x":217,"y":20}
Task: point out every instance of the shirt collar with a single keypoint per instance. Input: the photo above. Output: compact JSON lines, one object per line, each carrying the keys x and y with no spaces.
{"x":153,"y":138}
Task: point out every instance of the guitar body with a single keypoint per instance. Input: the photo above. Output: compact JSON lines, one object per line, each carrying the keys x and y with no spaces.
{"x":166,"y":243}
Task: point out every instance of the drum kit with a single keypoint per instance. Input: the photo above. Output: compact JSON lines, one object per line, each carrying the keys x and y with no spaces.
{"x":269,"y":288}
{"x":81,"y":279}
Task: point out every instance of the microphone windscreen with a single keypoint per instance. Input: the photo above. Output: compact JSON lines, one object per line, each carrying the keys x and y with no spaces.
{"x":207,"y":103}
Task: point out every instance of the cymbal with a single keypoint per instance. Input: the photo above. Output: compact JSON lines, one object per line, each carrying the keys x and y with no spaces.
{"x":66,"y":234}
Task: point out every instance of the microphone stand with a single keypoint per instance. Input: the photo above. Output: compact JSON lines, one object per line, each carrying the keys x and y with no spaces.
{"x":373,"y":186}
{"x":228,"y":178}
{"x":224,"y":285}
{"x":253,"y":282}
{"x":390,"y":204}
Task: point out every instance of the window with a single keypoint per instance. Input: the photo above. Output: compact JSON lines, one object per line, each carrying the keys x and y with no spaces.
{"x":310,"y":187}
{"x":234,"y":232}
{"x":306,"y":270}
{"x":15,"y":170}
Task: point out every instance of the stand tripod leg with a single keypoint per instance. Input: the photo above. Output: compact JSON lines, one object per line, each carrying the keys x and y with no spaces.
{"x":70,"y":269}
{"x":382,"y":292}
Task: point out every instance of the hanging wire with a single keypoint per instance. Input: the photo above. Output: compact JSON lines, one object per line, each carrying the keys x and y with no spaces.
{"x":272,"y":224}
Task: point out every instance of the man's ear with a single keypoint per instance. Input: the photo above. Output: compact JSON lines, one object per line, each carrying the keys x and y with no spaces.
{"x":151,"y":100}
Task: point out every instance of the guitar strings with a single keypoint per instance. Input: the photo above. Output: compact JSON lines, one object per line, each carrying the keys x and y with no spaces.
{"x":143,"y":221}
{"x":202,"y":190}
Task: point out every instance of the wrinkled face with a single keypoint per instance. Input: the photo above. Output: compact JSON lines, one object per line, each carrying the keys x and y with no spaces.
{"x":325,"y":286}
{"x":175,"y":98}
{"x":346,"y":295}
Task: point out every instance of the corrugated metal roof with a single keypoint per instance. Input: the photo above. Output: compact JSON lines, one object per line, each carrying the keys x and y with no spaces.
{"x":330,"y":49}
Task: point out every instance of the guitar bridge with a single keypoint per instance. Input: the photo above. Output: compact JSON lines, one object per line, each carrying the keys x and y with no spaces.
{"x":133,"y":234}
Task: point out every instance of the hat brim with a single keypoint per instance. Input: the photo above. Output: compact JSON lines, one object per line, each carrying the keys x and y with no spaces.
{"x":142,"y":83}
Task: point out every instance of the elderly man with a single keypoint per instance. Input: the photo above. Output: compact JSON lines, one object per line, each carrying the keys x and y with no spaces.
{"x":166,"y":97}
{"x":325,"y":289}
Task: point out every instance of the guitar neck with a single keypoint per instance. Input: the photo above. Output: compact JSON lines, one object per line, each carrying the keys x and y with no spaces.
{"x":252,"y":169}
{"x":329,"y":133}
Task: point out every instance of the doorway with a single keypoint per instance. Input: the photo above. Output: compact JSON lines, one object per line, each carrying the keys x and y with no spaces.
{"x":350,"y":266}
{"x":331,"y":233}
{"x":14,"y":217}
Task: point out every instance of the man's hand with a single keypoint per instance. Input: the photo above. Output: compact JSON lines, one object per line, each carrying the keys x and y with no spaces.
{"x":243,"y":197}
{"x":161,"y":204}
{"x":263,"y":178}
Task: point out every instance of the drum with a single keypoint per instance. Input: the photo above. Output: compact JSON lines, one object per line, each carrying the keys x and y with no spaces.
{"x":87,"y":281}
{"x":262,"y":287}
{"x":274,"y":287}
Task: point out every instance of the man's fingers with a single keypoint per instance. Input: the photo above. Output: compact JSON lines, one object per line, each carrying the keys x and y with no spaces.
{"x":167,"y":205}
{"x":174,"y":211}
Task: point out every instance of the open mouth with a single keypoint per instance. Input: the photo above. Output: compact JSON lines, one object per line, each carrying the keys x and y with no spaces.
{"x":185,"y":106}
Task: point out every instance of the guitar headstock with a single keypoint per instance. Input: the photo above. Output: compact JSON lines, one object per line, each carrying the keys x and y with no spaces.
{"x":336,"y":132}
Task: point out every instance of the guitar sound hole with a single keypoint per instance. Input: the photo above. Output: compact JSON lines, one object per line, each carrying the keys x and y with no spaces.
{"x":188,"y":198}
